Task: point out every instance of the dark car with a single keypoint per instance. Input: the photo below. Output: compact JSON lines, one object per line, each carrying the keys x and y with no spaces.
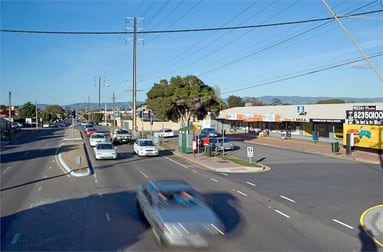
{"x":177,"y":213}
{"x":211,"y":132}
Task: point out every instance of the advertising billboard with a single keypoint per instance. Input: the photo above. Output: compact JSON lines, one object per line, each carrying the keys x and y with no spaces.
{"x":366,"y":136}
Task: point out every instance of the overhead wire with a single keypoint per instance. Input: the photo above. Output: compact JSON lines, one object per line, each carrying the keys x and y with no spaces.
{"x":304,"y":73}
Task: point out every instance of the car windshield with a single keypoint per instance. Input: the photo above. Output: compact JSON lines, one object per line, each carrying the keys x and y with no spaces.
{"x":177,"y":199}
{"x":104,"y":146}
{"x":121,"y":131}
{"x":146,"y":143}
{"x":97,"y":136}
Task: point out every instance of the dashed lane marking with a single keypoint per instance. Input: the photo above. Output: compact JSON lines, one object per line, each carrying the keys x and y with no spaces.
{"x":286,"y":198}
{"x":281,"y":213}
{"x":15,"y":238}
{"x":249,"y":183}
{"x":342,"y":223}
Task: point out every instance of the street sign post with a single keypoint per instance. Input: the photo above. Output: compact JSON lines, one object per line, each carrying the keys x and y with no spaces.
{"x":250,"y":153}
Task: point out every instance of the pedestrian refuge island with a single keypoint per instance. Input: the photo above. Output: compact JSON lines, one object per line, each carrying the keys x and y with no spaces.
{"x":185,"y":139}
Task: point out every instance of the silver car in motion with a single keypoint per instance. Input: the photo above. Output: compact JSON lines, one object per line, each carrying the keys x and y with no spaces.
{"x":177,"y":214}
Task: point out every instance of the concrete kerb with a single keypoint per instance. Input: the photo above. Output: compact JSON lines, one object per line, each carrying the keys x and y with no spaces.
{"x":233,"y":169}
{"x":75,"y":136}
{"x":372,"y":222}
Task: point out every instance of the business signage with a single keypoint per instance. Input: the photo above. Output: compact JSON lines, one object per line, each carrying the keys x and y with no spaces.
{"x":366,"y":136}
{"x":365,"y":117}
{"x":318,"y":120}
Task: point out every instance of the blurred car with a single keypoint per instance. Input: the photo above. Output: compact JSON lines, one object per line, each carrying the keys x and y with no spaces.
{"x":89,"y":131}
{"x":221,"y":143}
{"x":145,"y":147}
{"x":211,"y":132}
{"x":177,"y":213}
{"x":166,"y":133}
{"x":97,"y":138}
{"x":105,"y":150}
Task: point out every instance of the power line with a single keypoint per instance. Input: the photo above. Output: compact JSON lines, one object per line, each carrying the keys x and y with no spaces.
{"x":188,"y":30}
{"x":309,"y":72}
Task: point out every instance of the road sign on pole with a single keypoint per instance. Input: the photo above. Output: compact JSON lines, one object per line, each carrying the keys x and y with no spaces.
{"x":250,"y":153}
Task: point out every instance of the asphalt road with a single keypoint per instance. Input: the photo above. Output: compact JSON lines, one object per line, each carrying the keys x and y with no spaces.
{"x":305,"y":202}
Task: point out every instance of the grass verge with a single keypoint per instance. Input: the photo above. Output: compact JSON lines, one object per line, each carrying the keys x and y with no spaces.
{"x":239,"y":161}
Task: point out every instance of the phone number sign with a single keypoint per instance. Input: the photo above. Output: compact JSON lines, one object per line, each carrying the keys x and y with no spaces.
{"x":365,"y":117}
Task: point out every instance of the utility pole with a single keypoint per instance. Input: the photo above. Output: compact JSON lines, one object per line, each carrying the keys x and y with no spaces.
{"x":99,"y":93}
{"x":37,"y":115}
{"x":10,"y":107}
{"x":134,"y":126}
{"x":134,"y":89}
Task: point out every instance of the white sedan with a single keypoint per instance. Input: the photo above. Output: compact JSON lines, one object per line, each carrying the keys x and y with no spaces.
{"x":105,"y":150}
{"x":96,"y":138}
{"x":145,"y":147}
{"x":166,"y":133}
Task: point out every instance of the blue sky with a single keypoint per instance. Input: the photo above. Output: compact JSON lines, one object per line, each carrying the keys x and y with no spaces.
{"x":65,"y":68}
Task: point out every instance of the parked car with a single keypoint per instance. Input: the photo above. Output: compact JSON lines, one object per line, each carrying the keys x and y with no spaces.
{"x":177,"y":213}
{"x":105,"y":150}
{"x":89,"y":131}
{"x":211,"y":132}
{"x":97,"y":138}
{"x":166,"y":133}
{"x":221,"y":143}
{"x":145,"y":147}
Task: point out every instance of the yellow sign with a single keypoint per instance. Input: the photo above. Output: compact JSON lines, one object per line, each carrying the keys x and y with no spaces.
{"x":366,"y":136}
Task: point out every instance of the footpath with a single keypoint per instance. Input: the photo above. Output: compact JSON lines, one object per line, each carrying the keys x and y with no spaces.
{"x":74,"y":159}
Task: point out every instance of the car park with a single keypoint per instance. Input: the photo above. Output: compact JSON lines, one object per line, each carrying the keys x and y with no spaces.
{"x":177,"y":213}
{"x":89,"y":131}
{"x":221,"y":144}
{"x":97,"y":138}
{"x":145,"y":147}
{"x":105,"y":150}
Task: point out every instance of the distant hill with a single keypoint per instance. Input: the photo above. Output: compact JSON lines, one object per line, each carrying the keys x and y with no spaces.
{"x":294,"y":100}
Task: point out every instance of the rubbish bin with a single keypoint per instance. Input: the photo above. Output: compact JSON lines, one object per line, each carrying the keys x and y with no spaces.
{"x":208,"y":150}
{"x":335,"y":147}
{"x":283,"y":135}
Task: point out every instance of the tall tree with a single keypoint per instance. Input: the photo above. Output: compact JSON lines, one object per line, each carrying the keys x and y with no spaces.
{"x":53,"y":112}
{"x":235,"y":101}
{"x":181,"y":99}
{"x":27,"y":110}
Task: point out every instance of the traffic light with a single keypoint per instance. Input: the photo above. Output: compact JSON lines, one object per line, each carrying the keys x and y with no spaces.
{"x":74,"y":113}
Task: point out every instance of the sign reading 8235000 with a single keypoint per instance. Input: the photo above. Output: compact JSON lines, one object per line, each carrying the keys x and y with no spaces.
{"x":369,"y":117}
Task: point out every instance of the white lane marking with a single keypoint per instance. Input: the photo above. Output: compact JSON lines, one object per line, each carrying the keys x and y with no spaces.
{"x":30,"y":206}
{"x":50,"y":167}
{"x":224,"y":174}
{"x":194,"y":171}
{"x":281,"y":213}
{"x":7,"y":169}
{"x":242,"y":193}
{"x":15,"y":238}
{"x":143,"y":174}
{"x":249,"y":183}
{"x":342,"y":223}
{"x":213,"y":179}
{"x":107,"y":217}
{"x":40,"y":188}
{"x":286,"y":198}
{"x":176,"y":162}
